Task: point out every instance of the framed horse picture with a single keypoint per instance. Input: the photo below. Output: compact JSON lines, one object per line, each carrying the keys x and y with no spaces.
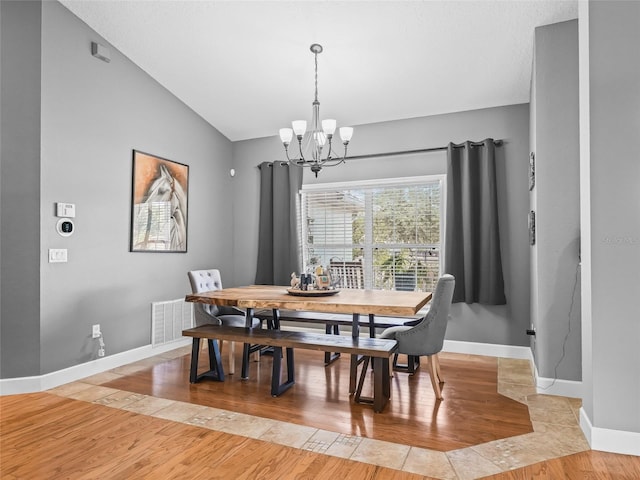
{"x":159,"y":204}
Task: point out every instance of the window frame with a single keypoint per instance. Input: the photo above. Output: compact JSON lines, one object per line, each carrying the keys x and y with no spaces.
{"x":370,"y":245}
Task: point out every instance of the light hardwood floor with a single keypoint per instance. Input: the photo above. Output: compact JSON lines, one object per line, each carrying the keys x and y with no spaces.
{"x":145,"y":421}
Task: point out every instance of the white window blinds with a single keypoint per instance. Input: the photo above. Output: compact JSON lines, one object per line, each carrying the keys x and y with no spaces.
{"x":386,"y":235}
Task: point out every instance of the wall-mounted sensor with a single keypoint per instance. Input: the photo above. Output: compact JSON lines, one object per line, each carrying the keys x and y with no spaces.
{"x":65,"y":227}
{"x":101,"y":52}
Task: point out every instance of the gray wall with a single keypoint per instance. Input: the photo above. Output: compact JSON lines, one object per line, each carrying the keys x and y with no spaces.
{"x":614,"y":381}
{"x":93,"y":114}
{"x":490,"y":324}
{"x":20,"y":188}
{"x":556,"y":201}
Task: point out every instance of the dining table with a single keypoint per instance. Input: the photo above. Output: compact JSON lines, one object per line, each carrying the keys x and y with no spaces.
{"x":355,"y":302}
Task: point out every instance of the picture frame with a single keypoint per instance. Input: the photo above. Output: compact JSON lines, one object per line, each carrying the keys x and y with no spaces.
{"x":532,"y":170}
{"x":532,"y":227}
{"x":159,"y":204}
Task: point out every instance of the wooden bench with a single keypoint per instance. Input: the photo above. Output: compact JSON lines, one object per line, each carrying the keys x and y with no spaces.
{"x":378,"y":350}
{"x":332,"y":322}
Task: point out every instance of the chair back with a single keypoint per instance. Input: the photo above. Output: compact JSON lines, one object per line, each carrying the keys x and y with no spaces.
{"x":427,"y":337}
{"x":347,"y":274}
{"x":205,"y":281}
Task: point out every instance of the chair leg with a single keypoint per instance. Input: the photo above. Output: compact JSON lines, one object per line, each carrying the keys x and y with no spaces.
{"x":434,"y":379}
{"x":395,"y":356}
{"x":436,"y":362}
{"x":232,"y":358}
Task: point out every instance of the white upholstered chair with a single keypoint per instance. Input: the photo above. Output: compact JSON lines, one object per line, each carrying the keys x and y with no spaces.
{"x":206,"y":281}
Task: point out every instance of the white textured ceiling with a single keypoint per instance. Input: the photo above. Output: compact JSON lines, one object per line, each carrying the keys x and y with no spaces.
{"x":246,"y":68}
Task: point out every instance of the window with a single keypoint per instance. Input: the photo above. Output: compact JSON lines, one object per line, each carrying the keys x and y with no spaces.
{"x":391,"y":230}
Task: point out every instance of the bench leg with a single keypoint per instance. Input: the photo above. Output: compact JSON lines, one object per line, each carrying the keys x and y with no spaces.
{"x":278,"y":388}
{"x":215,"y":371}
{"x":353,"y":371}
{"x":195,"y":353}
{"x":363,"y":373}
{"x":381,"y":383}
{"x":330,"y":357}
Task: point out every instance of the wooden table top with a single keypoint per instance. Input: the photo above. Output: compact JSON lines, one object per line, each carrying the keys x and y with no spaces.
{"x":378,"y":302}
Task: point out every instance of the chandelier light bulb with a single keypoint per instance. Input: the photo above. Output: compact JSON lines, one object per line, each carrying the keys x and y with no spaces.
{"x":299,"y":127}
{"x":345,"y":134}
{"x":286,"y":134}
{"x":328,"y":126}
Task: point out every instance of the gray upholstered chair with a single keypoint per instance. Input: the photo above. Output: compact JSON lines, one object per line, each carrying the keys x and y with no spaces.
{"x":206,"y":281}
{"x":427,"y":337}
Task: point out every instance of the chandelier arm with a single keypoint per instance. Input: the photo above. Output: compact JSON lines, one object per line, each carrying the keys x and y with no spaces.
{"x":300,"y":148}
{"x":286,"y":152}
{"x":334,"y":161}
{"x":328,"y":159}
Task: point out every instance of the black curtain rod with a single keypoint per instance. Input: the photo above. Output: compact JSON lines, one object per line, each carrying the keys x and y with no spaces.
{"x":497,"y":143}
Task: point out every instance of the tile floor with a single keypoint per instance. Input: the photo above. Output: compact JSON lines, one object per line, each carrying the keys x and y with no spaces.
{"x":555,"y":423}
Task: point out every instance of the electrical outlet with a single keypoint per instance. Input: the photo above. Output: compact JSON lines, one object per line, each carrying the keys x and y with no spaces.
{"x":95,"y":331}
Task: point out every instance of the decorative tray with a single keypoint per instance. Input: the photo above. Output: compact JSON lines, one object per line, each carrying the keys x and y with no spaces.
{"x":312,"y":293}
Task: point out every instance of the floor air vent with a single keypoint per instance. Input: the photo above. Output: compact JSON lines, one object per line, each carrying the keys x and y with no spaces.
{"x":168,"y":319}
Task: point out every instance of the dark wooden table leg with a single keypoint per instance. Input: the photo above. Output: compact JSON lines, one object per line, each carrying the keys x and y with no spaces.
{"x":331,"y":329}
{"x":372,"y":325}
{"x":355,"y":360}
{"x":248,"y":323}
{"x":272,"y":324}
{"x":276,"y":318}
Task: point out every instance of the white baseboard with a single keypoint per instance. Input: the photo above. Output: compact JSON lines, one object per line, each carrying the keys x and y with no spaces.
{"x":12,"y":386}
{"x":487,"y":349}
{"x":550,"y":386}
{"x":607,"y":440}
{"x":563,"y":388}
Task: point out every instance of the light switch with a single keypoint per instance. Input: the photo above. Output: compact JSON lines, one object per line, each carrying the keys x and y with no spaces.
{"x":57,"y":255}
{"x":65,"y":210}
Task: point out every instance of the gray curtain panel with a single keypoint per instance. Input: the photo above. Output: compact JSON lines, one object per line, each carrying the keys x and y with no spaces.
{"x":472,"y":237}
{"x":278,"y":245}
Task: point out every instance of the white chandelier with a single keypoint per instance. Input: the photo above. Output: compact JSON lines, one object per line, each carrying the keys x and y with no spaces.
{"x":318,"y":137}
